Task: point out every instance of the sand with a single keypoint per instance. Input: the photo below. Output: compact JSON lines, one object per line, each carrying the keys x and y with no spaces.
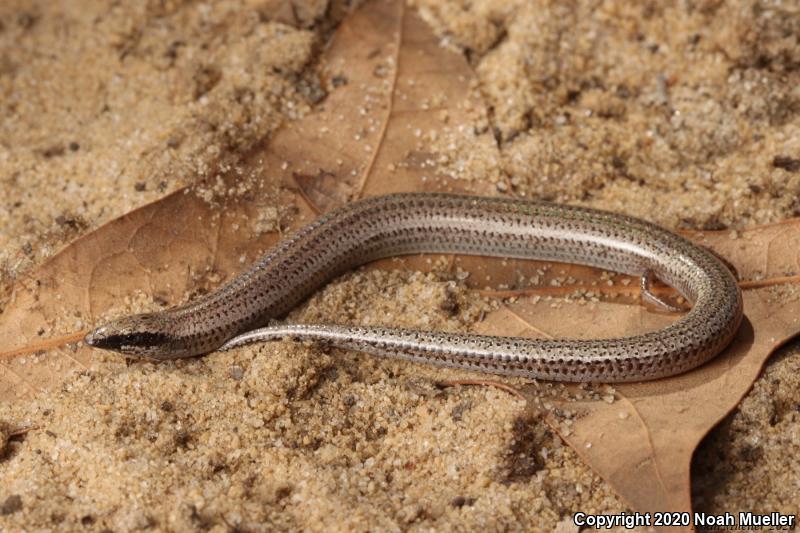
{"x":686,"y":115}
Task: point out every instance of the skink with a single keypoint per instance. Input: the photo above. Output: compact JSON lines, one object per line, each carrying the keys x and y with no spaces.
{"x":411,"y":223}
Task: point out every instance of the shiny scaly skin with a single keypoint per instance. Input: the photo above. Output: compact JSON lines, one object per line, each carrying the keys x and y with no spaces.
{"x":411,"y":223}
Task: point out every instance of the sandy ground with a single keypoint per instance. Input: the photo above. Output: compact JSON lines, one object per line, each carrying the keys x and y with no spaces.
{"x":687,"y":115}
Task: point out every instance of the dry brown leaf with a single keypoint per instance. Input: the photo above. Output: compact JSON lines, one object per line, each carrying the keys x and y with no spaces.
{"x":404,"y":92}
{"x":641,"y":439}
{"x":392,"y":88}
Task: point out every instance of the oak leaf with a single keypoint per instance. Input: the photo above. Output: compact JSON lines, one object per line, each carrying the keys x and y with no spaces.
{"x":392,"y":89}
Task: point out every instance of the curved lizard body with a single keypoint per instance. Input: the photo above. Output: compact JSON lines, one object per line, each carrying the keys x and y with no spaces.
{"x":412,"y":223}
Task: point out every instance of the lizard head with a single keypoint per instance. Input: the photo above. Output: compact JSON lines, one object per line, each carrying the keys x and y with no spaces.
{"x":141,"y":335}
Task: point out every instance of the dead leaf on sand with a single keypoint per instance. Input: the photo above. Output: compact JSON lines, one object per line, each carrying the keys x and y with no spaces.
{"x":388,"y":81}
{"x":640,"y":437}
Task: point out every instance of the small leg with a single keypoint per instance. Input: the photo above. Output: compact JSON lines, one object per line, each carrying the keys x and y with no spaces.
{"x":647,"y":294}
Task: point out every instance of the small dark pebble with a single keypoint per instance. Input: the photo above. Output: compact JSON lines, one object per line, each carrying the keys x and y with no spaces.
{"x":139,"y":186}
{"x":283,"y":492}
{"x":572,"y":95}
{"x":27,"y":248}
{"x":12,"y":504}
{"x":786,"y":163}
{"x":73,"y":146}
{"x":53,"y":151}
{"x":167,"y":406}
{"x":338,"y":81}
{"x":461,"y":501}
{"x":87,"y":520}
{"x":182,"y":438}
{"x":714,"y":224}
{"x":450,"y":304}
